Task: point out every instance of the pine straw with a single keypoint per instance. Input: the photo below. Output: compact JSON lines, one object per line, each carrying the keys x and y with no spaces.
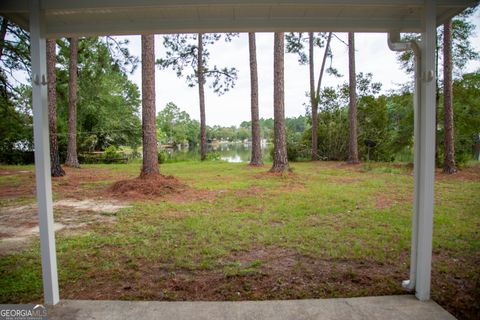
{"x":149,"y":186}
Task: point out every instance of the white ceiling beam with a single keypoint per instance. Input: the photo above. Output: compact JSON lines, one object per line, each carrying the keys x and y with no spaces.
{"x":62,"y":4}
{"x":159,"y":26}
{"x":119,"y":17}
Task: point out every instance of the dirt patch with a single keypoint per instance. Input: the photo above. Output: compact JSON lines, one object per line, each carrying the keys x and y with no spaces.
{"x":19,"y":224}
{"x":250,"y":191}
{"x":289,"y":174}
{"x":153,"y":186}
{"x":345,"y":179}
{"x":384,"y":200}
{"x":90,"y":205}
{"x":274,"y":273}
{"x":263,"y":273}
{"x":468,"y":174}
{"x":24,"y":187}
{"x":291,"y":181}
{"x":13,"y":172}
{"x":456,"y":282}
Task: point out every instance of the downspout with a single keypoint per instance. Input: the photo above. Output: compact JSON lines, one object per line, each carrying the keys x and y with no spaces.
{"x":395,"y":44}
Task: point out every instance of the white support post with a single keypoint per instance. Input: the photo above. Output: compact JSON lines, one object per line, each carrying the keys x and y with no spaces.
{"x":42,"y":153}
{"x":425,"y":172}
{"x":395,"y":44}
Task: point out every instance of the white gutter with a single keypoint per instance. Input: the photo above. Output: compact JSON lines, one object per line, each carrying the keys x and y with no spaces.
{"x":395,"y":44}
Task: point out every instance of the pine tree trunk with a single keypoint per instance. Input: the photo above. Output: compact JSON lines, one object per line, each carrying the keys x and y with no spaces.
{"x":313,"y":100}
{"x":437,"y":102}
{"x":280,"y":160}
{"x":256,"y":143}
{"x":150,"y":151}
{"x":56,"y":169}
{"x":316,"y":100}
{"x":449,"y":139}
{"x":3,"y":32}
{"x":352,"y":109}
{"x":72,"y":159}
{"x":201,"y":97}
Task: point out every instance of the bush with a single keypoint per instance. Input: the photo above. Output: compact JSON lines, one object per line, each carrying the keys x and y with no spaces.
{"x":214,"y":156}
{"x":333,"y":134}
{"x":17,"y":157}
{"x":135,"y":154}
{"x":85,"y":158}
{"x":162,"y":156}
{"x":296,"y":149}
{"x":111,"y":152}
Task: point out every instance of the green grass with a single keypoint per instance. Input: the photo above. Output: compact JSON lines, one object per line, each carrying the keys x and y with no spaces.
{"x":323,"y":212}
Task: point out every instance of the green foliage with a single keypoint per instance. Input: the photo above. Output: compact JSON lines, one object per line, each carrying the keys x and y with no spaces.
{"x":213,"y":156}
{"x":108,"y":102}
{"x":111,"y":152}
{"x":176,"y":127}
{"x":400,"y":122}
{"x":162,"y":156}
{"x":266,"y":127}
{"x":297,"y":149}
{"x":466,"y":109}
{"x":463,"y":50}
{"x":181,"y":52}
{"x":16,"y":141}
{"x":385,"y":120}
{"x":332,"y":134}
{"x":372,"y":118}
{"x":16,"y":136}
{"x":388,"y":121}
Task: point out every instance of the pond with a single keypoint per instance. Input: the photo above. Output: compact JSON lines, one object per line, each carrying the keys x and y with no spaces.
{"x":230,"y":152}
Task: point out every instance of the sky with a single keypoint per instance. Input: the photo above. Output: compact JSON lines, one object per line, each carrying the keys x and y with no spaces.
{"x":371,"y":54}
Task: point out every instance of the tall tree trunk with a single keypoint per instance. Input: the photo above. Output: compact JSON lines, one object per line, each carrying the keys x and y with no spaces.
{"x":313,"y":101}
{"x":280,"y":160}
{"x":352,"y":109}
{"x":72,"y":159}
{"x":449,"y":139}
{"x":56,"y":169}
{"x":256,"y":143}
{"x":437,"y":101}
{"x":150,"y":151}
{"x":3,"y":32}
{"x":201,"y":97}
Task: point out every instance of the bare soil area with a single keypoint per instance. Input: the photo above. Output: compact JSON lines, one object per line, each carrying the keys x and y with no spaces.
{"x":18,"y":224}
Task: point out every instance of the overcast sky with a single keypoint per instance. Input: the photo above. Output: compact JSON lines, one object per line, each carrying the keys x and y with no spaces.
{"x":372,"y":55}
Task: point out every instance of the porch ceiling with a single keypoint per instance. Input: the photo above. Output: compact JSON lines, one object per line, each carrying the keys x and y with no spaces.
{"x":66,"y":18}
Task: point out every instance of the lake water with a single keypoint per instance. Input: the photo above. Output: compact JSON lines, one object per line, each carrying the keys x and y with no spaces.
{"x":230,"y":152}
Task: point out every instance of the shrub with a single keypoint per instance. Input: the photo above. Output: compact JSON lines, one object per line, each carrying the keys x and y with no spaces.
{"x":111,"y":152}
{"x":296,"y":149}
{"x":162,"y":156}
{"x":213,"y":156}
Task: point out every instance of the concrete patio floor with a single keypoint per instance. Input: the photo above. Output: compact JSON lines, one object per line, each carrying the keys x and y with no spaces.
{"x":371,"y":308}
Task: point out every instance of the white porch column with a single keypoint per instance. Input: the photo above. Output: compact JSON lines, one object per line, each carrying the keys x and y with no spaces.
{"x":42,"y":153}
{"x":425,"y":172}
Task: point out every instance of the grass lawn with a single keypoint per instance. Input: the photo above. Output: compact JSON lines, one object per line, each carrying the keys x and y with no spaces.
{"x":238,"y":233}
